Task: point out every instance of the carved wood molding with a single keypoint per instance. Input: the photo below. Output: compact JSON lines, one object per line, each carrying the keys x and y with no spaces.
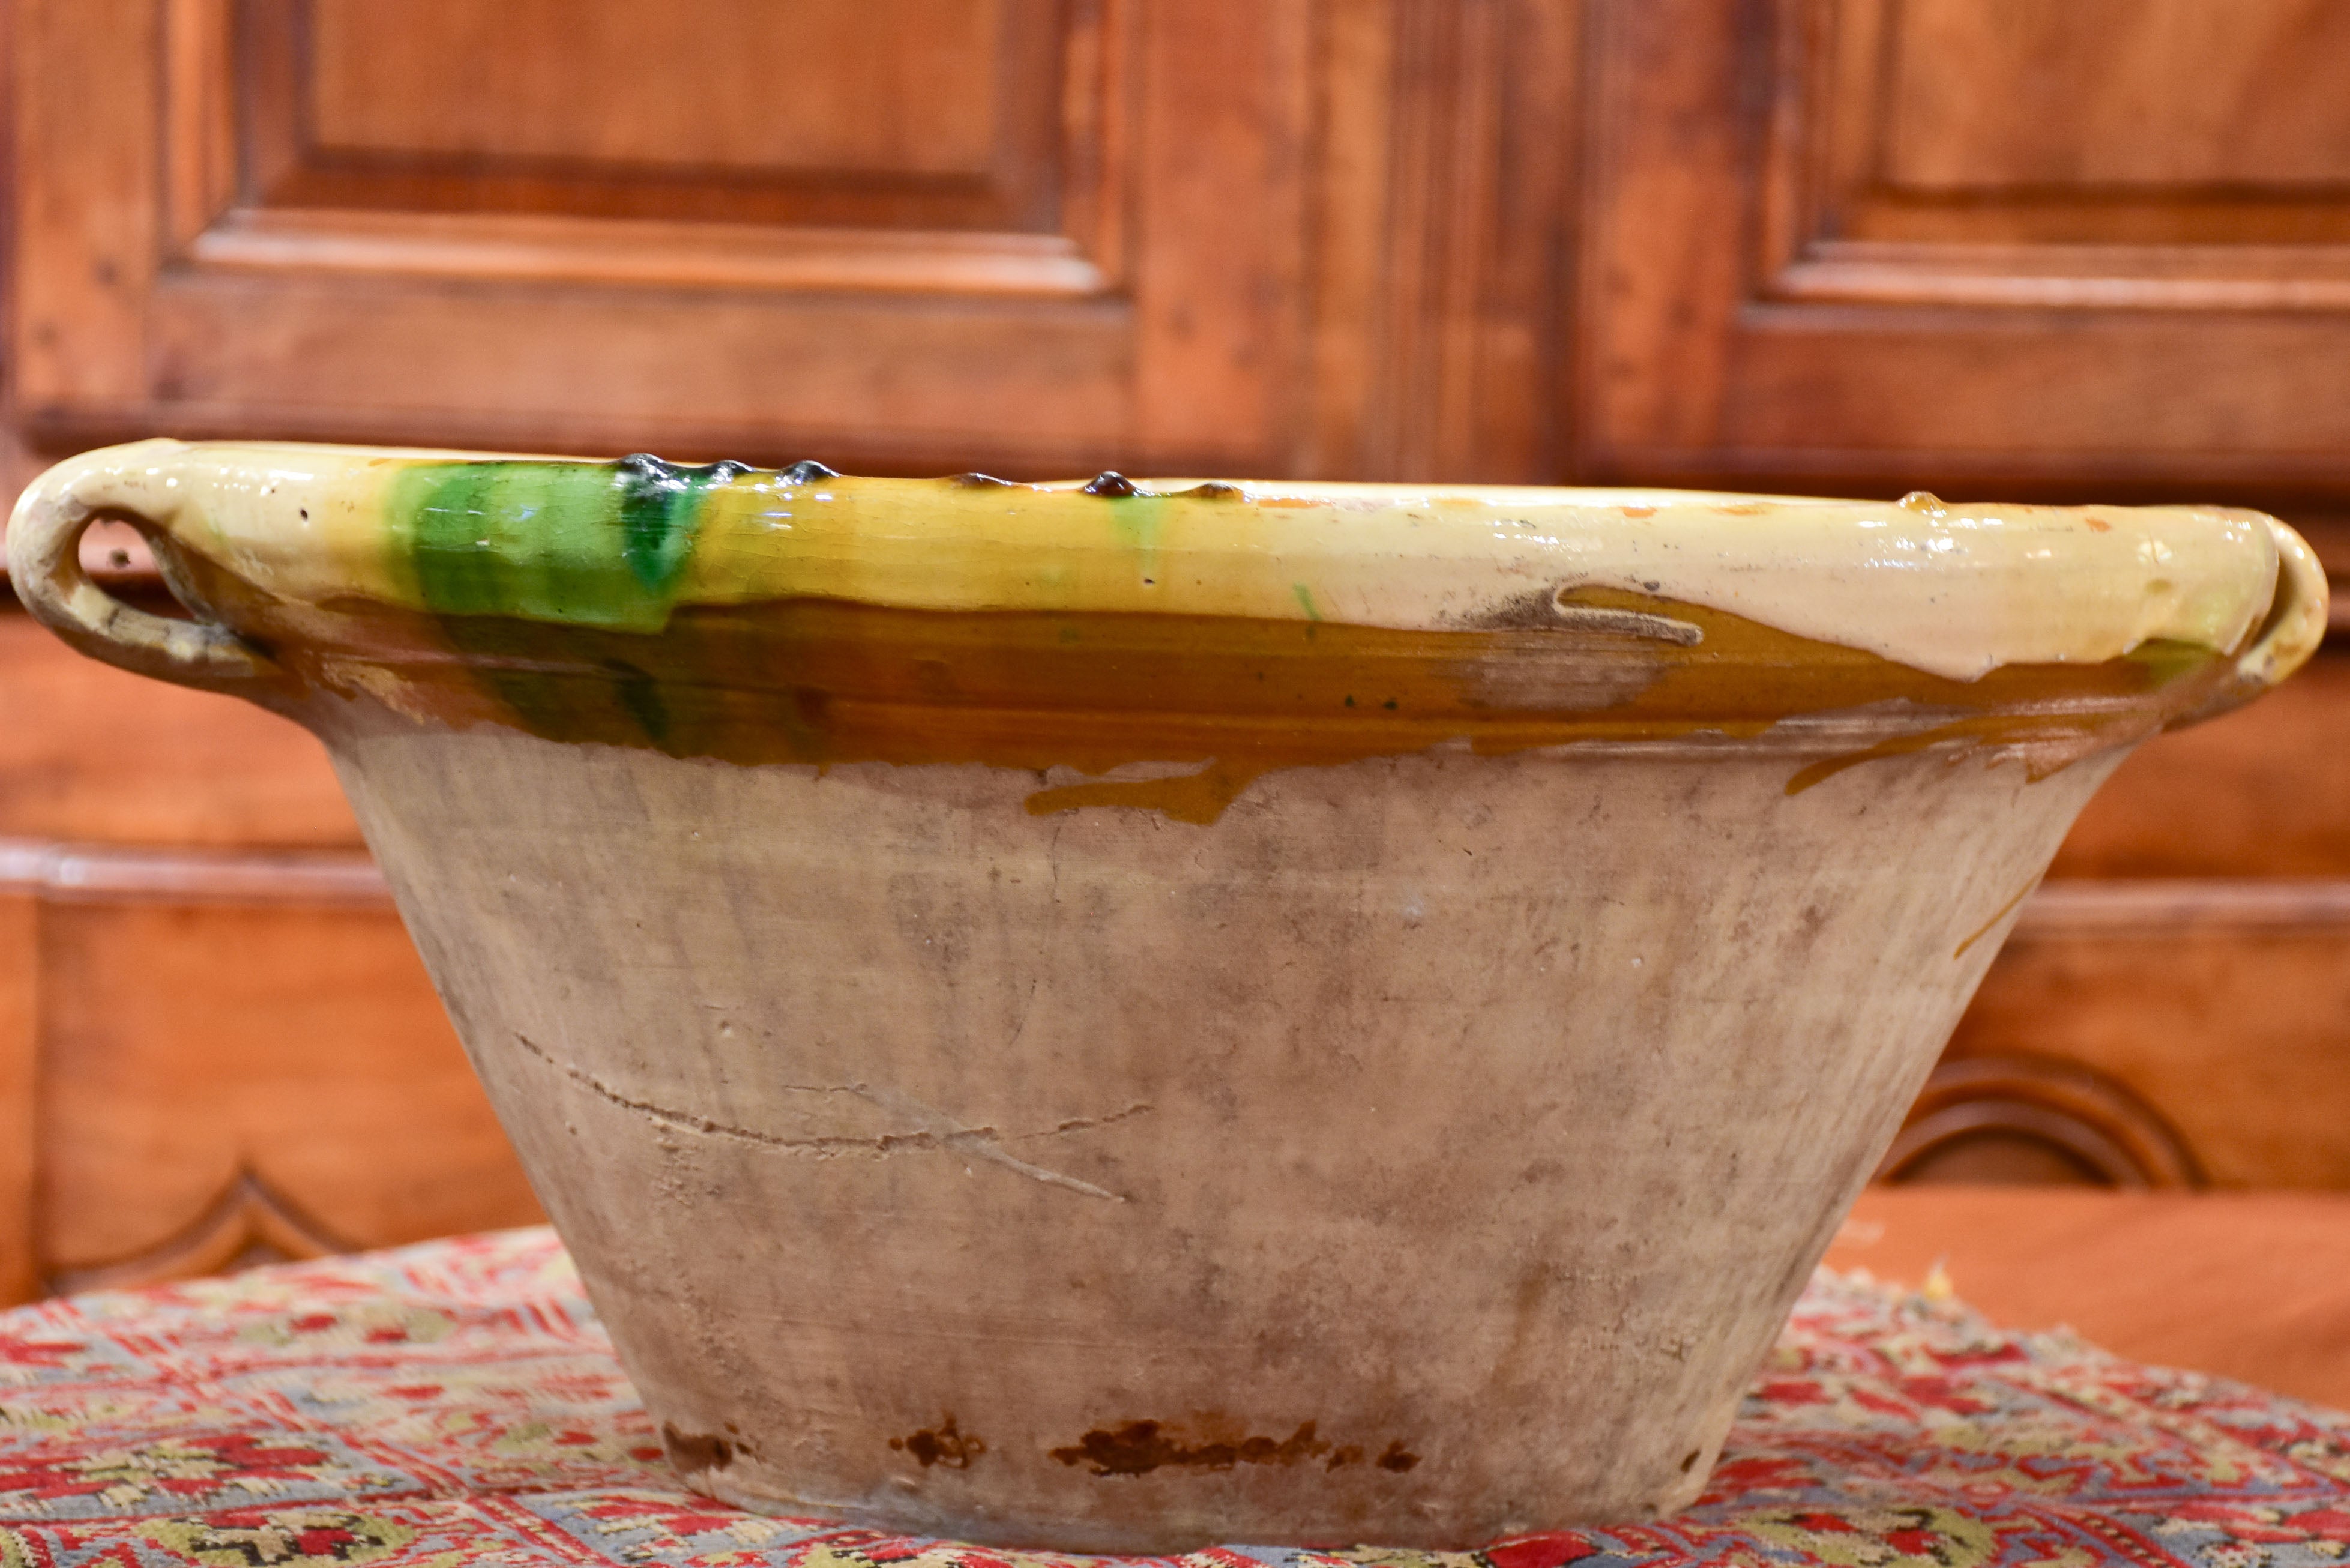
{"x":1843,"y":226}
{"x":2088,"y":1121}
{"x":1446,"y":134}
{"x":2073,"y":908}
{"x":250,"y":187}
{"x":1728,"y":146}
{"x":2066,"y":908}
{"x":248,"y":1223}
{"x":70,"y":873}
{"x":1440,"y":193}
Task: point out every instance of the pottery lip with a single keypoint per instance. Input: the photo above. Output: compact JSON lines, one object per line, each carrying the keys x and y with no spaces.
{"x":1954,"y":591}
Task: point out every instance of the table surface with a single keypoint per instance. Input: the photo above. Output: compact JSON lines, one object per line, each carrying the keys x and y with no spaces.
{"x":2251,"y":1286}
{"x":456,"y":1405}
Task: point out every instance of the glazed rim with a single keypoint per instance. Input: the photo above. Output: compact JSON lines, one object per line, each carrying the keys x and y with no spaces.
{"x":1952,"y":590}
{"x":1110,"y":629}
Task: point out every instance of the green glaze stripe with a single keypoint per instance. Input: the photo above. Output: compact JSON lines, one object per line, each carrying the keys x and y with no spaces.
{"x":602,"y":544}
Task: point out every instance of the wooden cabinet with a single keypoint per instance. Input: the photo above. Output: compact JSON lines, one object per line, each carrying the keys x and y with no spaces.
{"x":2100,"y":248}
{"x":2062,"y":247}
{"x":1042,"y":234}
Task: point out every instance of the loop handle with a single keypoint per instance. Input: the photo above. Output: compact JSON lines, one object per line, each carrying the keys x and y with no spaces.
{"x":44,"y":564}
{"x":2297,"y":616}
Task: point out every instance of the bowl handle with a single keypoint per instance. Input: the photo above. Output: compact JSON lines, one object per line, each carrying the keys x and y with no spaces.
{"x":2296,"y":619}
{"x":44,"y":564}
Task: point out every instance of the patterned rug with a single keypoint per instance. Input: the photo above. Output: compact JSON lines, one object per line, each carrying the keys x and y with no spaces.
{"x":457,"y":1404}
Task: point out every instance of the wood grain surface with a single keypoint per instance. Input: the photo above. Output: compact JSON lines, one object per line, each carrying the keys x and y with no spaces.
{"x":1852,"y":242}
{"x":876,"y":87}
{"x":89,"y":753}
{"x":193,"y":1045}
{"x":2168,"y":94}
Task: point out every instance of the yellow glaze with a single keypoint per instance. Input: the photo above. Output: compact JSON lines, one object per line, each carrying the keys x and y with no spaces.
{"x":1955,"y":590}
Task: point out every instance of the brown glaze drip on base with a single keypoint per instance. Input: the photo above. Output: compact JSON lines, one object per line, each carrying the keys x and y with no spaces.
{"x":1138,"y":1448}
{"x":944,"y":1444}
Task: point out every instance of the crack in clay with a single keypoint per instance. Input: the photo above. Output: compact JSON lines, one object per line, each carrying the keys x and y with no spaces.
{"x":1085,"y":1124}
{"x":943,"y":1134}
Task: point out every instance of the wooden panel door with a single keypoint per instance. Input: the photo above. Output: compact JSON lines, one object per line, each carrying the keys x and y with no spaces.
{"x":1275,"y":236}
{"x":2093,"y":244}
{"x":890,"y":229}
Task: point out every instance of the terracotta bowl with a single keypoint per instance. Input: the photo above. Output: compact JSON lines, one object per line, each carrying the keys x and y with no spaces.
{"x":1124,"y":1016}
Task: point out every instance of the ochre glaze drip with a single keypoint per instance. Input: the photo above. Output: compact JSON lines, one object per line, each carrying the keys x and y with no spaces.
{"x":1218,"y":701}
{"x":1160,"y":645}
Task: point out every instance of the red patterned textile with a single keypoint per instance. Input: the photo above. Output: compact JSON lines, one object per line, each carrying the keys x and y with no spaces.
{"x":457,"y":1404}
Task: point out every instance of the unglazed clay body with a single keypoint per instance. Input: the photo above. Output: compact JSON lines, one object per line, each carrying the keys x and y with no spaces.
{"x":1363,"y":1045}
